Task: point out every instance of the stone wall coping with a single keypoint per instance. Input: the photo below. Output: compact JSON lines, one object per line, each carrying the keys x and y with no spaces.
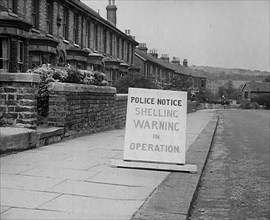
{"x":19,"y":77}
{"x":72,"y":87}
{"x":121,"y":96}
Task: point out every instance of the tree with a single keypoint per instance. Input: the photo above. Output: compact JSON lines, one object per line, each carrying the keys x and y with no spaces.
{"x":179,"y":83}
{"x":267,"y":79}
{"x":135,"y":80}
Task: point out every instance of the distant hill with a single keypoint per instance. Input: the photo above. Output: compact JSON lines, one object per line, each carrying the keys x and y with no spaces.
{"x":218,"y":73}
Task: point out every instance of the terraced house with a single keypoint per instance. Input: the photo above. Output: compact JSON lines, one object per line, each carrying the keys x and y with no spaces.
{"x":163,"y":70}
{"x":35,"y":32}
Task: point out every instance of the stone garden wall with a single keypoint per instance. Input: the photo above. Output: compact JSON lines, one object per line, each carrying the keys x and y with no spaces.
{"x":18,"y":105}
{"x":85,"y":108}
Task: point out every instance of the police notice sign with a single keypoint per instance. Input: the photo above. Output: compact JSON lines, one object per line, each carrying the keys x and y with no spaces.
{"x":156,"y":126}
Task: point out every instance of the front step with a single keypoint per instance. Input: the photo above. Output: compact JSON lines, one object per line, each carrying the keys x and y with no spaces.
{"x":17,"y":139}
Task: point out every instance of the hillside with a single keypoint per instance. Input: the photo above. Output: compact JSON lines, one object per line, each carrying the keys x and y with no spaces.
{"x":218,"y":73}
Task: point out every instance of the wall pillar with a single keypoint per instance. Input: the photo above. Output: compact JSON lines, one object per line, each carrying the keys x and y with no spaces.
{"x":18,"y":103}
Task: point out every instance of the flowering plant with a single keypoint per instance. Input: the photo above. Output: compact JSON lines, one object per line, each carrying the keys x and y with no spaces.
{"x":67,"y":74}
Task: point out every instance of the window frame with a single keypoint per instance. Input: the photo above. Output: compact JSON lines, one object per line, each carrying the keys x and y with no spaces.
{"x":35,"y":14}
{"x":49,"y":16}
{"x":20,"y":54}
{"x":13,"y":6}
{"x":5,"y":60}
{"x":76,"y":28}
{"x":65,"y":23}
{"x":105,"y":40}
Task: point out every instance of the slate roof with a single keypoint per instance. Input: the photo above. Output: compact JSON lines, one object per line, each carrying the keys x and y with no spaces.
{"x":258,"y":86}
{"x":179,"y":69}
{"x":152,"y":59}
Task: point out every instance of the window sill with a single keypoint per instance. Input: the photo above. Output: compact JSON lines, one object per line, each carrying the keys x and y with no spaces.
{"x":66,"y":41}
{"x":35,"y":30}
{"x":77,"y":45}
{"x":49,"y":35}
{"x":13,"y":14}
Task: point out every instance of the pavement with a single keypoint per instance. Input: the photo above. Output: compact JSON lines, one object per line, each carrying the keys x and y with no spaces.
{"x":73,"y":179}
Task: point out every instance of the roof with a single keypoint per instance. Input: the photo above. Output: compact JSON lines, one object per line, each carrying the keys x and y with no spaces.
{"x":178,"y":69}
{"x":257,"y":86}
{"x":96,"y":16}
{"x":152,"y":59}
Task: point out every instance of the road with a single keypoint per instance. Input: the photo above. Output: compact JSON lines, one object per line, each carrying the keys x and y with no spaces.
{"x":236,"y":180}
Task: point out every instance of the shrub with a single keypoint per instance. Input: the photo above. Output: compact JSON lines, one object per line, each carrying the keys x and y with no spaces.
{"x":136,"y":80}
{"x":262,"y":100}
{"x":245,"y":104}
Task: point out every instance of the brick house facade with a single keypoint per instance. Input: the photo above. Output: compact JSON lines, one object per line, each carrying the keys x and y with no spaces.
{"x":35,"y":32}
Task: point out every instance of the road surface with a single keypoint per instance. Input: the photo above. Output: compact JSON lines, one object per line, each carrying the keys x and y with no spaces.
{"x":236,"y":180}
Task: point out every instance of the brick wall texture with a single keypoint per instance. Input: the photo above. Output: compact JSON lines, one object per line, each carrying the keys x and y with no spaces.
{"x":85,"y":112}
{"x":18,"y":104}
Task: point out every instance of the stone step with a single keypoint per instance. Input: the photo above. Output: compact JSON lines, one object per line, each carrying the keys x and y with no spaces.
{"x":16,"y":139}
{"x":49,"y":135}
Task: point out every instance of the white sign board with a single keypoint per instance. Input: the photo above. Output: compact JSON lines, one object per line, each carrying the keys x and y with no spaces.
{"x":156,"y":126}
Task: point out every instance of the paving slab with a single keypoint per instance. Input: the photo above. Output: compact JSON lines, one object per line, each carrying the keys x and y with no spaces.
{"x":15,"y":168}
{"x":4,"y":208}
{"x":28,"y":182}
{"x":19,"y":213}
{"x":63,"y":173}
{"x":93,"y":208}
{"x":102,"y":190}
{"x":24,"y":199}
{"x":127,"y":179}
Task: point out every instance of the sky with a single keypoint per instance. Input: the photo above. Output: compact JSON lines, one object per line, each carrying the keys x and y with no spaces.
{"x":231,"y":33}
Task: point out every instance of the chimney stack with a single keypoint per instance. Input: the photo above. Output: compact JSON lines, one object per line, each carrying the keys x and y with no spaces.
{"x":185,"y":63}
{"x":176,"y":61}
{"x":142,"y":47}
{"x":111,"y":12}
{"x":154,"y":53}
{"x":165,"y":58}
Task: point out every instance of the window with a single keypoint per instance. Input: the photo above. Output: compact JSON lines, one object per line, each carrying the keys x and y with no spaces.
{"x":123,"y":50}
{"x":117,"y":47}
{"x":82,"y":34}
{"x":13,"y":6}
{"x":195,"y":83}
{"x":132,"y":53}
{"x":65,"y":23}
{"x":88,"y":27}
{"x":96,"y":36}
{"x":105,"y":40}
{"x":20,"y":57}
{"x":203,"y":83}
{"x":4,"y":56}
{"x":111,"y":44}
{"x":35,"y":14}
{"x":128,"y":52}
{"x":246,"y":95}
{"x":76,"y":29}
{"x":49,"y":16}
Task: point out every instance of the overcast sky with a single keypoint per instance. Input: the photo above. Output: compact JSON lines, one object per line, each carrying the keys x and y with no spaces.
{"x":211,"y":33}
